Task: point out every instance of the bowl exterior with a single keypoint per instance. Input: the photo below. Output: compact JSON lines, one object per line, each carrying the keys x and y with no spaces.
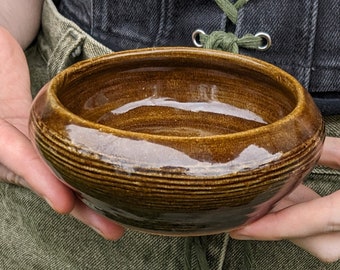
{"x":134,"y":180}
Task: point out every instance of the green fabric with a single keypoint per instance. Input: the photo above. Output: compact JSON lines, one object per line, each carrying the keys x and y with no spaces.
{"x":33,"y":236}
{"x":195,"y":249}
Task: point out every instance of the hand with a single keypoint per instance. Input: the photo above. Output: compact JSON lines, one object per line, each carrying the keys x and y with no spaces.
{"x":19,"y":161}
{"x":309,"y":221}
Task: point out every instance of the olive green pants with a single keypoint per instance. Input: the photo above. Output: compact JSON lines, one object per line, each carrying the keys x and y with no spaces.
{"x":33,"y":236}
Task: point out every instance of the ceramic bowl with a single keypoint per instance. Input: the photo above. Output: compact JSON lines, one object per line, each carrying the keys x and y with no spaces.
{"x":177,"y":141}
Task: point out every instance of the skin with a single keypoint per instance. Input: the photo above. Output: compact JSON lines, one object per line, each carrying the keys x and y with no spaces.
{"x":309,"y":221}
{"x":19,"y":161}
{"x":21,"y":18}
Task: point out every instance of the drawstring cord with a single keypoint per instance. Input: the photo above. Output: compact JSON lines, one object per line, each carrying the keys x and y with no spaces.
{"x":223,"y":251}
{"x":227,"y":41}
{"x":230,"y":9}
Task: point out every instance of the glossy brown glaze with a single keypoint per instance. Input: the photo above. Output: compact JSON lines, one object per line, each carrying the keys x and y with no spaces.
{"x":178,"y":141}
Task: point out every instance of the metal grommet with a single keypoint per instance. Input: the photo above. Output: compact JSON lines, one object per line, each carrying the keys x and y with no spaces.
{"x":267,"y":41}
{"x":195,"y":36}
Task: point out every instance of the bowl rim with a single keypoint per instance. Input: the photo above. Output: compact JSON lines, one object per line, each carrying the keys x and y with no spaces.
{"x":263,"y":67}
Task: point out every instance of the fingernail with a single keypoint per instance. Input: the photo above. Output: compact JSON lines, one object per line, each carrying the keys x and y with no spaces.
{"x":240,"y":236}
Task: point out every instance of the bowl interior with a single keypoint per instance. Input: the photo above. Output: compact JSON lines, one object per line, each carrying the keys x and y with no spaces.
{"x":177,"y":94}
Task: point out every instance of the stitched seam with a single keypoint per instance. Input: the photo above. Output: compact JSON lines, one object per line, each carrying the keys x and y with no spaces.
{"x":92,"y":18}
{"x":167,"y":25}
{"x":162,"y":22}
{"x":312,"y":22}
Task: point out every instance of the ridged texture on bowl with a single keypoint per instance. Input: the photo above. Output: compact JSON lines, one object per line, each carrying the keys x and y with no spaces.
{"x":171,"y":183}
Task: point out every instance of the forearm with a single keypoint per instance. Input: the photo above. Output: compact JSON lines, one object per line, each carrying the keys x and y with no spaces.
{"x":21,"y":18}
